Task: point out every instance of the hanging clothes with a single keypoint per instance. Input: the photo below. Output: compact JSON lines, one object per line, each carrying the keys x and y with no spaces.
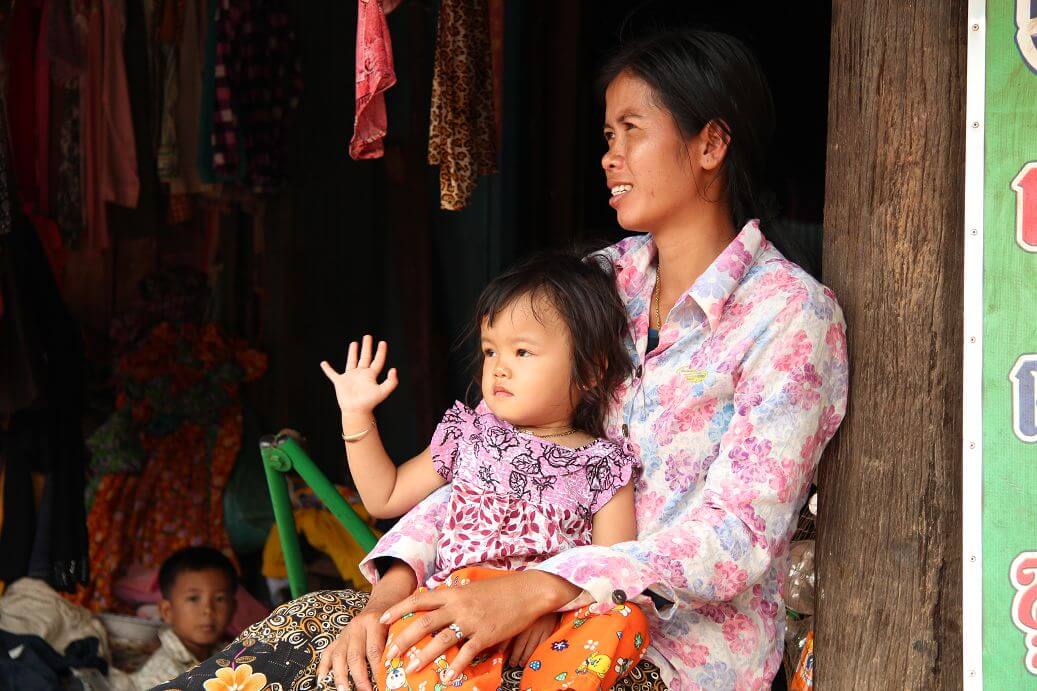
{"x":180,"y":383}
{"x":257,"y":84}
{"x":374,"y":76}
{"x":108,"y":141}
{"x":462,"y":134}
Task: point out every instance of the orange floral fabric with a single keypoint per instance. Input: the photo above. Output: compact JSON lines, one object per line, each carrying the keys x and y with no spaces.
{"x":181,"y":386}
{"x":586,"y":651}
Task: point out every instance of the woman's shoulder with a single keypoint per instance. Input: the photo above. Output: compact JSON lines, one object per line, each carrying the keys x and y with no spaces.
{"x":788,"y":290}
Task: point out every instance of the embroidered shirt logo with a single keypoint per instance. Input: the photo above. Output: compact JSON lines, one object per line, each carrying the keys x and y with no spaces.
{"x":695,"y":376}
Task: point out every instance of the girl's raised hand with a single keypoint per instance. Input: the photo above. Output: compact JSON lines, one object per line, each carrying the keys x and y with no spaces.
{"x":357,"y":388}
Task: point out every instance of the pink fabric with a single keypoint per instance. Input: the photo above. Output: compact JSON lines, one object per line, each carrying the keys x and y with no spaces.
{"x":516,"y":499}
{"x":374,"y":76}
{"x":109,"y":147}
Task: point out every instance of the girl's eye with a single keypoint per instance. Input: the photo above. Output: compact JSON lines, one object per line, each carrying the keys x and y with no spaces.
{"x":489,"y":352}
{"x":192,"y":598}
{"x":522,"y":352}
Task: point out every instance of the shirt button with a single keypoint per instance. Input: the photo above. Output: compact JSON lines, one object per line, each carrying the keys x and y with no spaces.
{"x":626,"y":430}
{"x":619,"y":597}
{"x":639,"y":372}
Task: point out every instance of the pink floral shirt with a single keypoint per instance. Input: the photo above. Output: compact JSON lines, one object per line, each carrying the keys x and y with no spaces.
{"x":515,"y":499}
{"x":729,"y":415}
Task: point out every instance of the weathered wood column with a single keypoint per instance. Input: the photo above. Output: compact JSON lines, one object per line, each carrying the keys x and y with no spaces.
{"x":889,"y":543}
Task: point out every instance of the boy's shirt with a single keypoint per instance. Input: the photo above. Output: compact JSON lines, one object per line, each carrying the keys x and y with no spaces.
{"x":171,"y":660}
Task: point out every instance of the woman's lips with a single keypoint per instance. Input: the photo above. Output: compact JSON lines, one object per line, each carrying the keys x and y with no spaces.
{"x":616,"y":198}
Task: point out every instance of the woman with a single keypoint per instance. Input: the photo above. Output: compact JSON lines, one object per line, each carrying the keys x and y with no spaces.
{"x":740,"y":382}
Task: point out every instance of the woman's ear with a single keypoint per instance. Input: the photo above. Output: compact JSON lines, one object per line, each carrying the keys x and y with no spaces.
{"x":713,"y":142}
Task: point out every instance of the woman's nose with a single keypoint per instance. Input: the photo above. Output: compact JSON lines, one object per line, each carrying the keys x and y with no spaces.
{"x":611,"y":160}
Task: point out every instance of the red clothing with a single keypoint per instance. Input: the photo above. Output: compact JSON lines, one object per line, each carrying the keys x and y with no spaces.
{"x":374,"y":76}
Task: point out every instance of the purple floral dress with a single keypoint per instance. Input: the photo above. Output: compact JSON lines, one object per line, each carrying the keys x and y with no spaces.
{"x":729,"y":415}
{"x":515,"y":499}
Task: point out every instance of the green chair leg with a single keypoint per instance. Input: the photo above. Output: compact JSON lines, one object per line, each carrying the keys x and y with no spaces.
{"x":282,"y":455}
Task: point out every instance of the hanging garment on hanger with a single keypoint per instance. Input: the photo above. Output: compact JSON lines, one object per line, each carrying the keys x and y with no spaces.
{"x":374,"y":76}
{"x":462,"y":135}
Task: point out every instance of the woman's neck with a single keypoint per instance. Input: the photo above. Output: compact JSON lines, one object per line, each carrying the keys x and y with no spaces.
{"x":687,"y":249}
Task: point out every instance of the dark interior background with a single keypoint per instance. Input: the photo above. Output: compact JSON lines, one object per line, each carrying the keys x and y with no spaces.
{"x":353,"y":247}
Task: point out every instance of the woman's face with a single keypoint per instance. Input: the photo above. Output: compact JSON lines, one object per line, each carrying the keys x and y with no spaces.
{"x":652,"y":171}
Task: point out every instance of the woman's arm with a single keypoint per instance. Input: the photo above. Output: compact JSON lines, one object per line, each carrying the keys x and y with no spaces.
{"x":616,"y":521}
{"x":387,"y":492}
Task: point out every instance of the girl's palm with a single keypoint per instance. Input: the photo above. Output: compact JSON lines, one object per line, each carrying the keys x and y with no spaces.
{"x":357,"y":388}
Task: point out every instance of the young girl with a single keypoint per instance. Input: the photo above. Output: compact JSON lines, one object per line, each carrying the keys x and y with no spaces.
{"x":530,"y":472}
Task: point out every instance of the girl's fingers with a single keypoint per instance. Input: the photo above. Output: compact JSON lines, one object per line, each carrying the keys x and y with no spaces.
{"x":329,"y":371}
{"x":390,"y":383}
{"x":351,"y":356}
{"x":365,"y":352}
{"x":379,"y":357}
{"x":515,"y":647}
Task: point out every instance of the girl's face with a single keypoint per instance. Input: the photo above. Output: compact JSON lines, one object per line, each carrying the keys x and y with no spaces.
{"x":655,"y":175}
{"x":527,"y":365}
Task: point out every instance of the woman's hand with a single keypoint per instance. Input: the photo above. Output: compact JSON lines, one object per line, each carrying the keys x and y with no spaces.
{"x":523,"y":645}
{"x":359,"y":645}
{"x":357,"y":388}
{"x":487,"y":612}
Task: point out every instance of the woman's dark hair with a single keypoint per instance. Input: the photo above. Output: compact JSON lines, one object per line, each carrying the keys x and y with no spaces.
{"x":583,"y":292}
{"x":705,"y":76}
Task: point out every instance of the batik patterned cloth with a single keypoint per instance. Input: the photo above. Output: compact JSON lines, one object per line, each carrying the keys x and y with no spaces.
{"x":729,"y":415}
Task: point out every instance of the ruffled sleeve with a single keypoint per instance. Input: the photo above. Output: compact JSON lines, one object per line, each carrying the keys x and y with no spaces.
{"x":449,"y":437}
{"x":610,"y":472}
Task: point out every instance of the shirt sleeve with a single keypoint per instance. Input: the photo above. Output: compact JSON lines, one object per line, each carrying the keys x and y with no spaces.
{"x":412,"y":540}
{"x":788,"y":402}
{"x":609,"y":474}
{"x":448,"y":438}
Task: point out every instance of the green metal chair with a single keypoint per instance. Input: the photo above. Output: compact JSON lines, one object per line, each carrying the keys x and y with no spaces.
{"x":282,"y":454}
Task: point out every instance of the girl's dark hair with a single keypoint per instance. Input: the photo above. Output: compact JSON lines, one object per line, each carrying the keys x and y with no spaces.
{"x":705,"y":76}
{"x":583,"y":292}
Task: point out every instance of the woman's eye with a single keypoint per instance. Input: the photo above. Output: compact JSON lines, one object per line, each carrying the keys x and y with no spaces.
{"x":609,"y":136}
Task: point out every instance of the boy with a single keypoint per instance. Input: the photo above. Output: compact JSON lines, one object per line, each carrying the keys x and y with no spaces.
{"x":198,"y":585}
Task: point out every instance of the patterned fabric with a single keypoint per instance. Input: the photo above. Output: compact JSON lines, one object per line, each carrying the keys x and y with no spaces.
{"x":462,"y":135}
{"x":586,"y":652}
{"x":516,"y":499}
{"x":258,"y":81}
{"x":281,"y":653}
{"x":68,"y":194}
{"x":181,"y":386}
{"x":729,"y":416}
{"x":374,"y":76}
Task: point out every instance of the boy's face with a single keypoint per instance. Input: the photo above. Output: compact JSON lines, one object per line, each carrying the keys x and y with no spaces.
{"x":199,"y":608}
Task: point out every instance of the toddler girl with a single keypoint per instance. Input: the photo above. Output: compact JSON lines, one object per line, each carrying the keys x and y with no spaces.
{"x":530,"y":472}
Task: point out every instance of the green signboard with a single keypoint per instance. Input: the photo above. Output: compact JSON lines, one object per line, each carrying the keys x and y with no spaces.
{"x":1001,"y":340}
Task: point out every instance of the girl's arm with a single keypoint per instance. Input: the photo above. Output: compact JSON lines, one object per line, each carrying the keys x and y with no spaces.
{"x":616,"y":522}
{"x":387,"y":491}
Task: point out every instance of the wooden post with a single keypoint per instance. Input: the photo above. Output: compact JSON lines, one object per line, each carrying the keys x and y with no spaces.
{"x":889,"y":542}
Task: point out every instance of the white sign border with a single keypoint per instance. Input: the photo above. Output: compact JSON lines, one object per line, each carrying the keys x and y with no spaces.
{"x":972,"y":361}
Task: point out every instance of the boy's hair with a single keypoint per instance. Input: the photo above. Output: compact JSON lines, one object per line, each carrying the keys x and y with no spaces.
{"x":193,"y":559}
{"x":583,"y":292}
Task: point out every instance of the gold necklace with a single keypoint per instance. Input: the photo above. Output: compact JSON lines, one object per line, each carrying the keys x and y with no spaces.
{"x":572,"y":430}
{"x":658,"y":297}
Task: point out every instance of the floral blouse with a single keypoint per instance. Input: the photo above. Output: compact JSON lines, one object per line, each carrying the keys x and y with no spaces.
{"x":729,"y":415}
{"x":516,"y":499}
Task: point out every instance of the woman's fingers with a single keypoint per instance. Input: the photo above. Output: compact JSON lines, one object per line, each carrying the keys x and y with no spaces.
{"x":356,"y":658}
{"x":328,"y":370}
{"x":421,"y":601}
{"x":390,"y":383}
{"x":375,"y":644}
{"x":464,"y":657}
{"x":379,"y":357}
{"x":351,"y":356}
{"x":421,"y":625}
{"x":365,"y":352}
{"x":339,"y":668}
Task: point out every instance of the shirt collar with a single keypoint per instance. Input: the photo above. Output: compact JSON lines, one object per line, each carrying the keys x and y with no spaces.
{"x":176,"y":649}
{"x":710,"y":291}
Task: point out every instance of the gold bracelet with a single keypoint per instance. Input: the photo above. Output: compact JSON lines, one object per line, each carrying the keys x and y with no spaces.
{"x":359,"y":435}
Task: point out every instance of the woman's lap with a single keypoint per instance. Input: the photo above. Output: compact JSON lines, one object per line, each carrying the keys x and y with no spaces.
{"x":286,"y":646}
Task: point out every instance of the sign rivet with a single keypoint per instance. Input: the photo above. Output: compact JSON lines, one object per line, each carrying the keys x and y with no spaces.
{"x":972,"y":339}
{"x":975,"y":27}
{"x":972,"y":444}
{"x":975,"y":124}
{"x":972,"y":558}
{"x":973,"y":232}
